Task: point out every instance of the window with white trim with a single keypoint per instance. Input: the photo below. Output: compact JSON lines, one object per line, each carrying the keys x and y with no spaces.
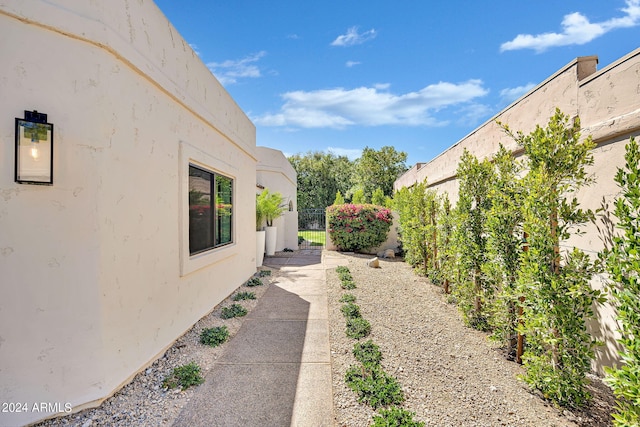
{"x":210,"y":210}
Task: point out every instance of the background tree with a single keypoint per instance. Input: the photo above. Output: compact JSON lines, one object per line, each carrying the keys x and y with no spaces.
{"x":339,"y":200}
{"x":378,"y":169}
{"x":342,"y":173}
{"x":320,"y":177}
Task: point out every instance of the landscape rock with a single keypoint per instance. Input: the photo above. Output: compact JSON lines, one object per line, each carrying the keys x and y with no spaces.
{"x":374,"y":263}
{"x":387,"y":253}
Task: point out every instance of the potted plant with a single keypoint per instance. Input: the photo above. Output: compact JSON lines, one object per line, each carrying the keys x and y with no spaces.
{"x":260,"y":233}
{"x":271,"y":206}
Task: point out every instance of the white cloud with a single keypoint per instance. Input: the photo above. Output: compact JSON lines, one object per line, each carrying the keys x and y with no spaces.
{"x":577,"y":30}
{"x":350,"y":64}
{"x":353,"y":37}
{"x":195,"y":49}
{"x":473,"y":114}
{"x":229,"y":71}
{"x":509,"y":95}
{"x":370,"y":106}
{"x":350,"y":153}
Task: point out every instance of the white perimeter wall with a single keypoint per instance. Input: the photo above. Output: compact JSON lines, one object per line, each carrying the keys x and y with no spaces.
{"x":608,"y":104}
{"x":96,"y":280}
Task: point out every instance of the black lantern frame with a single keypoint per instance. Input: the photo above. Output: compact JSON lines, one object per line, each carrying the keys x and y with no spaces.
{"x":34,"y":149}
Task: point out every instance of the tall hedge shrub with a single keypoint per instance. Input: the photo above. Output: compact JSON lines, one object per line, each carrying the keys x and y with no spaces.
{"x":558,"y":299}
{"x":472,"y":290}
{"x":416,"y":207}
{"x":504,"y":247}
{"x":358,"y":227}
{"x":447,"y":256}
{"x":622,"y":262}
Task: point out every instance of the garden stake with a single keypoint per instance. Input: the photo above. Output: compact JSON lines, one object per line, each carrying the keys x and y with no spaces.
{"x":520,"y":346}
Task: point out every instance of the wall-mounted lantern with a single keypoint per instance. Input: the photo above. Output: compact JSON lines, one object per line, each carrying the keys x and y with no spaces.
{"x":34,"y":149}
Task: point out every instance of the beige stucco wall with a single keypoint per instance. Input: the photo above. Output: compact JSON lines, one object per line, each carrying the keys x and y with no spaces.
{"x":608,"y":104}
{"x":535,"y":107}
{"x":609,"y":110}
{"x":275,"y":173}
{"x":96,"y":277}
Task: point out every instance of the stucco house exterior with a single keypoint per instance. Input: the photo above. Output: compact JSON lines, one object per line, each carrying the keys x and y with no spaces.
{"x":102,"y":270}
{"x":607,"y":101}
{"x":275,"y":173}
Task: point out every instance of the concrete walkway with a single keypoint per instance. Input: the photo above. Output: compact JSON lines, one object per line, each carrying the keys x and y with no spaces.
{"x":276,"y":370}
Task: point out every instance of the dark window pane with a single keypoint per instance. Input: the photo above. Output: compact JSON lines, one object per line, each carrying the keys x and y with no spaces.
{"x":224,"y":209}
{"x":210,"y":210}
{"x":200,"y":214}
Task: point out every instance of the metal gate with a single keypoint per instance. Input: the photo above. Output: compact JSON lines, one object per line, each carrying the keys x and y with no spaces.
{"x":311,"y":228}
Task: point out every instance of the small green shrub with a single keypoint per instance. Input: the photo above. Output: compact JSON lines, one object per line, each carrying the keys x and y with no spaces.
{"x":184,"y":376}
{"x":350,"y":310}
{"x":263,"y":273}
{"x":348,"y":285}
{"x":345,"y":276}
{"x":241,"y":296}
{"x":254,"y":281}
{"x":395,"y":417}
{"x":344,"y":273}
{"x":479,"y":323}
{"x":357,"y":327}
{"x":235,"y":310}
{"x":346,"y":279}
{"x":374,"y":387}
{"x":214,"y":336}
{"x":356,"y":227}
{"x":348,"y":298}
{"x":367,"y":353}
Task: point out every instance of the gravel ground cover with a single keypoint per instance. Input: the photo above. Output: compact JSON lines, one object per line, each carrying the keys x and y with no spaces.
{"x":144,"y":402}
{"x":450,"y":374}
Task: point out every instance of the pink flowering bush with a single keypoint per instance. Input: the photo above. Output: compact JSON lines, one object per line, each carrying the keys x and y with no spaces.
{"x":358,"y":227}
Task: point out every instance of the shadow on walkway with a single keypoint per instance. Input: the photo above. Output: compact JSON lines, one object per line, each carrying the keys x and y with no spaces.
{"x":276,"y":371}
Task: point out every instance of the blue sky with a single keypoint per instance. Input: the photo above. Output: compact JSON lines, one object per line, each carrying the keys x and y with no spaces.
{"x":414,"y":74}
